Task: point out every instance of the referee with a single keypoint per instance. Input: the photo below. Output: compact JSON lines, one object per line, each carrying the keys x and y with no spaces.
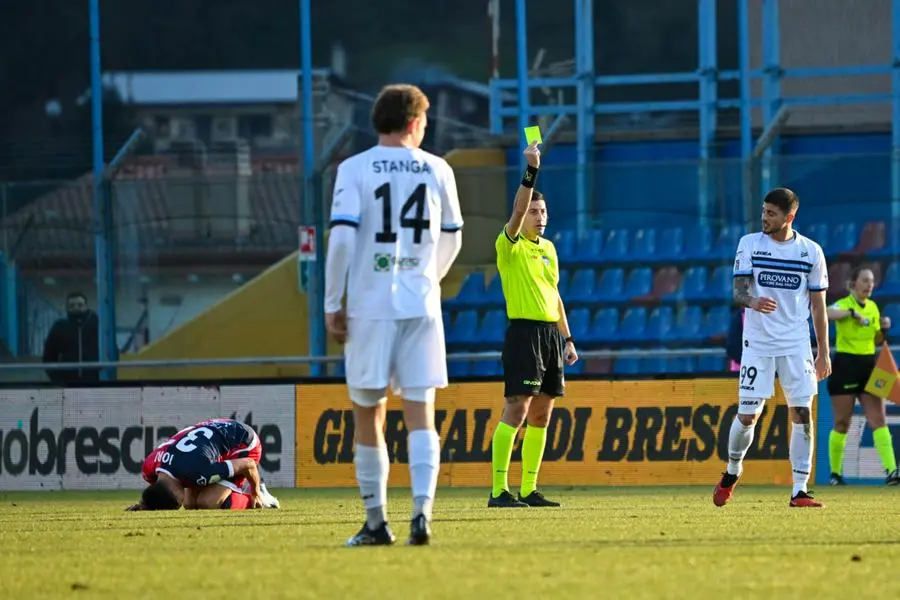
{"x":537,"y":341}
{"x":860,"y":328}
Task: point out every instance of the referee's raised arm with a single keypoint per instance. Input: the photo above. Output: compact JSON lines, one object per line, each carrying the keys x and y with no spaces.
{"x":524,"y":193}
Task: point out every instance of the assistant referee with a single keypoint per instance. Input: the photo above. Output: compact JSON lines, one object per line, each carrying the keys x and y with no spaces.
{"x":537,"y":341}
{"x":860,"y":328}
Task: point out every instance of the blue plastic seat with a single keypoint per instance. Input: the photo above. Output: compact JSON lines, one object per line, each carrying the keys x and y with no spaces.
{"x":565,"y":245}
{"x":615,"y":246}
{"x":890,"y":286}
{"x":818,"y":232}
{"x":464,"y":327}
{"x":605,"y":326}
{"x":892,"y":311}
{"x":493,"y":328}
{"x":471,"y":292}
{"x":721,"y":284}
{"x":697,"y":243}
{"x":680,"y":364}
{"x":688,"y":325}
{"x":670,"y":246}
{"x":494,"y":291}
{"x":611,"y":287}
{"x":564,"y":277}
{"x":693,"y":288}
{"x":580,"y":323}
{"x":843,"y":238}
{"x":588,"y":250}
{"x":487,"y":368}
{"x":640,"y":283}
{"x":576,"y":369}
{"x":627,"y":365}
{"x":652,"y":364}
{"x":583,"y":285}
{"x":458,"y":368}
{"x":633,"y":324}
{"x":727,"y":242}
{"x":643,"y":246}
{"x":718,"y":320}
{"x":659,"y":324}
{"x":710,"y":364}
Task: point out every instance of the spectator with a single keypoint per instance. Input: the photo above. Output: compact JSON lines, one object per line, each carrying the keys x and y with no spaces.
{"x":74,"y":338}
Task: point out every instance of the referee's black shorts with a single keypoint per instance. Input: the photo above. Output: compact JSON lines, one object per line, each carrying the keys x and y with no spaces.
{"x":533,"y":359}
{"x":850,"y":373}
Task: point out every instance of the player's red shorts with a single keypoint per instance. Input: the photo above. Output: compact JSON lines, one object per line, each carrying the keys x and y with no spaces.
{"x":254,"y":451}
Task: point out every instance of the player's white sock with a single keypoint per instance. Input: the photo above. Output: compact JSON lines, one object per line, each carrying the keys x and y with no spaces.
{"x":372,"y":465}
{"x":801,"y":455}
{"x":739,"y":439}
{"x":424,"y":464}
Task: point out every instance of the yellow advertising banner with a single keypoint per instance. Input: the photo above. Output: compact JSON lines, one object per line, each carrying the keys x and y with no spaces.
{"x":658,"y":432}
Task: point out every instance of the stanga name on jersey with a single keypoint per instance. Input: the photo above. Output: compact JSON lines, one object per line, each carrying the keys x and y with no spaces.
{"x":786,"y":272}
{"x":399,"y":200}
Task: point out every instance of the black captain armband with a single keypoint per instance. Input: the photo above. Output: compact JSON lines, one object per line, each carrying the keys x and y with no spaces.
{"x":529,"y":177}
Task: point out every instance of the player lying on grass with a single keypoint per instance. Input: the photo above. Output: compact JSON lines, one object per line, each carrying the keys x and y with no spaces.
{"x":210,"y":465}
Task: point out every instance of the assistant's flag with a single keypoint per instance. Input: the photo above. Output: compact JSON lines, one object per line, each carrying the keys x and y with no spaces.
{"x":883,"y":383}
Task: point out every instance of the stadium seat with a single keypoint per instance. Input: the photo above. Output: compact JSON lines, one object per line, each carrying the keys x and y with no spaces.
{"x":891,"y":247}
{"x":659,"y":324}
{"x":458,"y":368}
{"x":721,"y":284}
{"x":818,"y":232}
{"x":580,"y":323}
{"x":576,"y":369}
{"x":605,"y":326}
{"x":633,"y":324}
{"x":588,"y":251}
{"x":652,"y":365}
{"x":493,"y":328}
{"x":727,"y":242}
{"x":687,"y":326}
{"x":680,"y":364}
{"x":494,"y":292}
{"x":471,"y":292}
{"x":718,"y":320}
{"x":890,"y":286}
{"x":643,"y":246}
{"x":639,"y":284}
{"x":671,"y":245}
{"x":615,"y":246}
{"x":628,"y":365}
{"x":666,"y":283}
{"x":565,"y":276}
{"x":464,"y":327}
{"x":697,"y":243}
{"x":598,"y":366}
{"x":872,"y":238}
{"x":695,"y":284}
{"x":612,"y":286}
{"x":487,"y":368}
{"x":838,"y":274}
{"x":843,"y":239}
{"x":710,"y":364}
{"x":339,"y":369}
{"x":583,"y":285}
{"x":892,"y":311}
{"x":565,"y":244}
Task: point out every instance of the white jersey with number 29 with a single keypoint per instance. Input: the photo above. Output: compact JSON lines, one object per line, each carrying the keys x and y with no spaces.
{"x":786,"y":272}
{"x":400,"y":200}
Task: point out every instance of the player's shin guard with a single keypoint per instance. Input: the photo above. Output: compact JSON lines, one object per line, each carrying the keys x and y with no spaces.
{"x":372,"y":465}
{"x":801,"y":452}
{"x":237,"y":501}
{"x":424,"y":464}
{"x":739,"y":439}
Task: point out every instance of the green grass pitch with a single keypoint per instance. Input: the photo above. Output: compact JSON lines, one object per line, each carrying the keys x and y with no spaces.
{"x":604,"y":543}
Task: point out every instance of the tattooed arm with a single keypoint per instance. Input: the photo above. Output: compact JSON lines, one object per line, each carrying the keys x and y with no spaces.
{"x":742,"y":296}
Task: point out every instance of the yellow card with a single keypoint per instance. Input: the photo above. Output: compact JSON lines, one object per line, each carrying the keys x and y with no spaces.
{"x":533,"y":134}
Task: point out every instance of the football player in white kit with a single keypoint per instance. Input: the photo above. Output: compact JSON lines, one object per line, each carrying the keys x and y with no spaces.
{"x":781,"y":277}
{"x":396,"y":229}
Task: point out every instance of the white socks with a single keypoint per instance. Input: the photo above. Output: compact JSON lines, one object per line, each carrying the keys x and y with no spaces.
{"x":801,"y":453}
{"x":739,"y":440}
{"x":424,"y":463}
{"x":372,"y":466}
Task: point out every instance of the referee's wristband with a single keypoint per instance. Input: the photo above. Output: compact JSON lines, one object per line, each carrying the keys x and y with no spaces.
{"x":529,"y":177}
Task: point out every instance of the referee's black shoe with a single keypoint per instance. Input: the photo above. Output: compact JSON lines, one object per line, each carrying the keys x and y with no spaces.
{"x":836,"y":480}
{"x":380,"y":536}
{"x":505,"y":500}
{"x":893,"y":478}
{"x":537,"y":499}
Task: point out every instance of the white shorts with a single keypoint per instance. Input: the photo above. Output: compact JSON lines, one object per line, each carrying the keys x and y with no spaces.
{"x":407,"y":354}
{"x":796,"y":373}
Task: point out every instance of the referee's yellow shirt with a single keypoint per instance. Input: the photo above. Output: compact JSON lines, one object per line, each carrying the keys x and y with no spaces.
{"x":853,"y":338}
{"x":529,"y":273}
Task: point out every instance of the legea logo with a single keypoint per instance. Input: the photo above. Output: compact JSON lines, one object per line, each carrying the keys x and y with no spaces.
{"x":781,"y":281}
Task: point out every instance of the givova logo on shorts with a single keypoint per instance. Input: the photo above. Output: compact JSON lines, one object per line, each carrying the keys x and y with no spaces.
{"x":781,"y":281}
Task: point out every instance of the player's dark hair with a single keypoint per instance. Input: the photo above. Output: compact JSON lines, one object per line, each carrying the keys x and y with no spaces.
{"x":786,"y":200}
{"x":536,"y":196}
{"x":396,"y":106}
{"x":158,"y":497}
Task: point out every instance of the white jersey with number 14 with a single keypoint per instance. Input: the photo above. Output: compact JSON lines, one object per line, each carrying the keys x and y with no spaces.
{"x":786,"y":272}
{"x":400,"y":200}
